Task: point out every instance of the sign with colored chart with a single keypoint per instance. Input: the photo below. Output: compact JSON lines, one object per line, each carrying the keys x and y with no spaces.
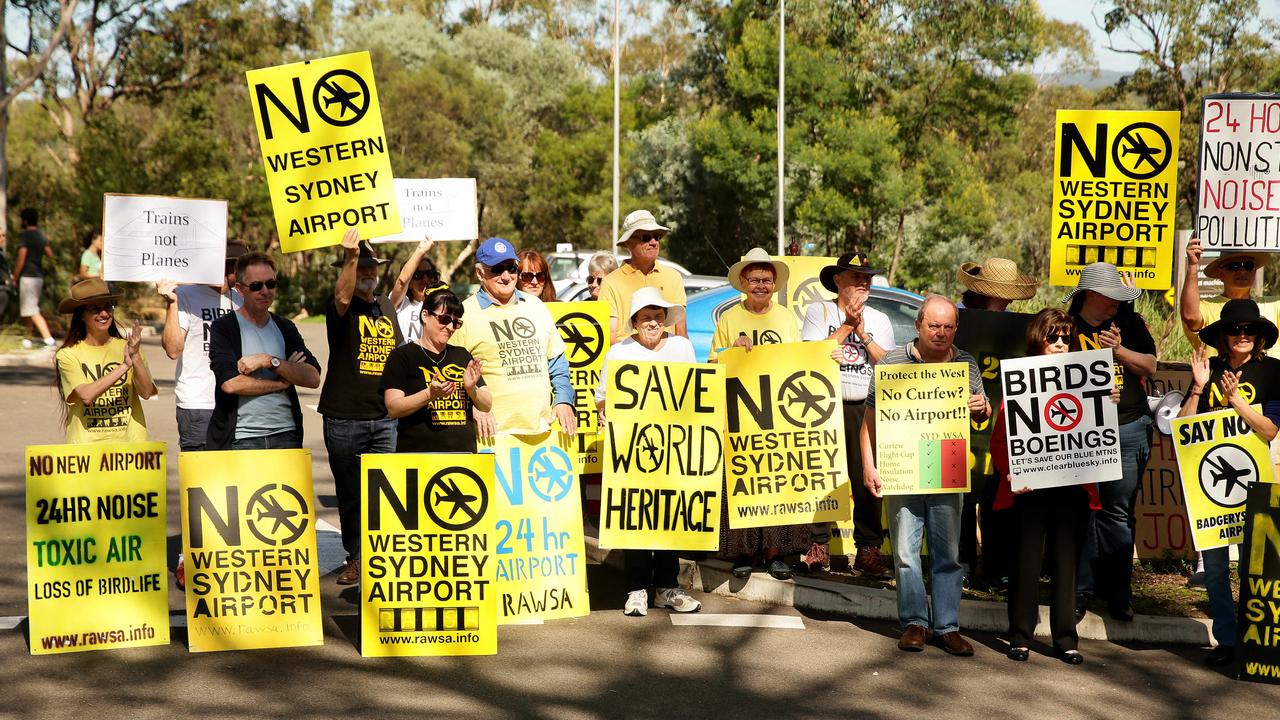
{"x":922,"y":427}
{"x":786,"y":457}
{"x":249,"y":543}
{"x":147,"y":238}
{"x":1115,"y":184}
{"x":327,"y":161}
{"x":803,"y":286}
{"x":663,"y":456}
{"x":584,"y":327}
{"x":1258,"y":615}
{"x":539,"y":550}
{"x":96,"y":575}
{"x":427,"y":558}
{"x":1219,"y":456}
{"x":1239,"y":171}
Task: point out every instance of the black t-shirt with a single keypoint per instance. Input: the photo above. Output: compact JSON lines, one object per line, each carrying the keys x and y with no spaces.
{"x":443,"y":424}
{"x":35,"y":242}
{"x":1133,"y":336}
{"x":1258,"y":383}
{"x":359,"y":343}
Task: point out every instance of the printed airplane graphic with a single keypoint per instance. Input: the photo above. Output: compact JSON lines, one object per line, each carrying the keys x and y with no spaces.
{"x":1145,"y":153}
{"x":1224,"y":472}
{"x":581,"y":343}
{"x":460,"y":500}
{"x":277,"y":512}
{"x":344,"y":97}
{"x":807,"y":398}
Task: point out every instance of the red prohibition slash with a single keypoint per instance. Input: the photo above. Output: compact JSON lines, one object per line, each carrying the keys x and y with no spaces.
{"x":1065,"y":407}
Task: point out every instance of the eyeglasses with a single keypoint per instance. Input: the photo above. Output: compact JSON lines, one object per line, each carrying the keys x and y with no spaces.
{"x":593,"y":280}
{"x":759,"y":281}
{"x":1055,"y":338}
{"x":645,"y":237}
{"x":1239,"y":265}
{"x":528,"y":277}
{"x":506,"y":267}
{"x":95,"y":309}
{"x":1243,"y":329}
{"x":257,"y":285}
{"x":429,"y":275}
{"x":446,"y":319}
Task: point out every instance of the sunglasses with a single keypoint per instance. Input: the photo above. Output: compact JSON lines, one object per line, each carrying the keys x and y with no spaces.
{"x":1053,"y":338}
{"x":446,"y":319}
{"x":430,"y":275}
{"x":593,"y":280}
{"x":1244,"y":329}
{"x":95,"y":309}
{"x":646,"y":237}
{"x":1239,"y":265}
{"x":506,"y":267}
{"x":528,"y":277}
{"x":257,"y":285}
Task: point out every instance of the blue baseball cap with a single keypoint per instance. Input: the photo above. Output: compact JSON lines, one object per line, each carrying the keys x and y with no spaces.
{"x":495,"y":251}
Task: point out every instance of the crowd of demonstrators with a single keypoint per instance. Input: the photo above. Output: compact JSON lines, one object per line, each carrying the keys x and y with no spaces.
{"x":598,"y":266}
{"x":642,"y":238}
{"x":535,"y":276}
{"x":417,"y":277}
{"x":28,"y":275}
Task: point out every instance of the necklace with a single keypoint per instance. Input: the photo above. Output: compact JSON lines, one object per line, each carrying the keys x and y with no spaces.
{"x":430,"y":359}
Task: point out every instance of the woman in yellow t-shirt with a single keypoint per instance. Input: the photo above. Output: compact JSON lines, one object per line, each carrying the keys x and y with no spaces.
{"x":102,"y":376}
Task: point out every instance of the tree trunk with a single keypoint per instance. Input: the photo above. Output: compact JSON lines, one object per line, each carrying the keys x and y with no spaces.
{"x":897,"y":248}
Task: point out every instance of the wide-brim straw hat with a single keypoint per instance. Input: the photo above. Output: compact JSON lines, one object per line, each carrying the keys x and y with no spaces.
{"x":758,"y":255}
{"x":1259,"y":260}
{"x":87,"y":292}
{"x":1104,"y":279}
{"x":651,"y":296}
{"x":639,"y":220}
{"x":848,"y":262}
{"x":1240,"y":312}
{"x":998,"y":278}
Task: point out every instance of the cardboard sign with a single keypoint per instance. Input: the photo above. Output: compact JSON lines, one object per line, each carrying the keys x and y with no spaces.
{"x":922,"y":428}
{"x":249,"y":541}
{"x":1062,"y":425}
{"x":1162,"y":529}
{"x":1220,"y":456}
{"x":427,"y":570}
{"x":803,"y":286}
{"x":324,"y":150}
{"x":1238,"y":191}
{"x":96,"y":575}
{"x":786,"y":457}
{"x":664,"y":456}
{"x":1258,"y":646}
{"x":435,"y":209}
{"x":147,"y":238}
{"x":1115,"y":183}
{"x":584,"y":327}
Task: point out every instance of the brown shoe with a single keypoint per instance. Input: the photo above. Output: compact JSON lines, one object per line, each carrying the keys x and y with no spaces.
{"x":350,"y":574}
{"x":954,"y":644}
{"x":912,"y":639}
{"x":870,"y":563}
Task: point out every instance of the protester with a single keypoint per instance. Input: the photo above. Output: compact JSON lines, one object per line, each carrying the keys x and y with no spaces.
{"x":1237,"y":271}
{"x":600,"y":265}
{"x":993,"y":285}
{"x":912,"y":517}
{"x":1054,"y":515}
{"x":257,"y":359}
{"x":91,"y":258}
{"x":28,"y":275}
{"x":362,"y":332}
{"x":863,"y":335}
{"x":650,"y":315}
{"x":535,"y":276}
{"x":417,"y":277}
{"x":435,"y":415}
{"x":1241,"y":369}
{"x":641,"y":236}
{"x":1101,"y":306}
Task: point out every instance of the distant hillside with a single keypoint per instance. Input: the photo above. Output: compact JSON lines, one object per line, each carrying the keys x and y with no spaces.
{"x":1104,"y":78}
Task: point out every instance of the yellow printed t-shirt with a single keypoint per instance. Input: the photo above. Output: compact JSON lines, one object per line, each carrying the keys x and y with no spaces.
{"x":1211,"y":311}
{"x":775,"y":326}
{"x":621,"y":284}
{"x":116,"y":416}
{"x":513,"y":343}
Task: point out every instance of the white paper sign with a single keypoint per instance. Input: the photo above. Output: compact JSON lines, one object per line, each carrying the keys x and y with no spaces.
{"x":438,"y":208}
{"x":1239,"y":185}
{"x":147,"y":238}
{"x":1062,"y":426}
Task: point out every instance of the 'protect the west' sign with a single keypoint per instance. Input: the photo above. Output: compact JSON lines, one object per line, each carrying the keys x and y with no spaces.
{"x":922,"y":428}
{"x":1238,"y":191}
{"x":1219,"y":457}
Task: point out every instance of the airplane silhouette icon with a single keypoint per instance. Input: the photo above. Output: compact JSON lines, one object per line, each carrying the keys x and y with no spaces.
{"x":1145,"y":153}
{"x":1223,"y":471}
{"x":276,"y":512}
{"x":807,"y":398}
{"x":452,"y":495}
{"x":344,"y":97}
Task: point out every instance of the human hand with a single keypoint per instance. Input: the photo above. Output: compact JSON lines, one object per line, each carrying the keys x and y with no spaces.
{"x":1194,"y":251}
{"x":423,"y":247}
{"x":249,"y":364}
{"x":168,"y":290}
{"x":1229,"y":383}
{"x":1200,"y":367}
{"x":1110,"y":338}
{"x":871,"y":478}
{"x":486,"y":424}
{"x":471,"y":375}
{"x":977,"y":404}
{"x":568,"y":419}
{"x":439,"y":387}
{"x":743,"y":341}
{"x":351,"y":242}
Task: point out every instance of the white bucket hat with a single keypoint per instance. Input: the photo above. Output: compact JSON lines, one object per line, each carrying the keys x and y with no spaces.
{"x":651,"y":296}
{"x":639,"y":220}
{"x":1104,"y":279}
{"x":758,"y":255}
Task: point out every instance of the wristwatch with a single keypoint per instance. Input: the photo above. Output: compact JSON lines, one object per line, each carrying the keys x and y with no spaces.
{"x":275,"y":363}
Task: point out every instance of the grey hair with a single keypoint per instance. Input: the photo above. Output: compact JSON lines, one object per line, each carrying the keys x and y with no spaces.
{"x":603,"y":263}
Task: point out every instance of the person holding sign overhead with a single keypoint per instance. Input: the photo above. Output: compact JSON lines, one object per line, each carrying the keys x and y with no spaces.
{"x":642,"y":237}
{"x":418,"y":276}
{"x":1240,"y":376}
{"x":1237,"y":272}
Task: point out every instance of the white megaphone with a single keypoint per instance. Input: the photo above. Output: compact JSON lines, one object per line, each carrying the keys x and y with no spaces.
{"x":1166,"y":408}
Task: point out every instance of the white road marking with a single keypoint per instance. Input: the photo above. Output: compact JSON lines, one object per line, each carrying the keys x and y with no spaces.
{"x":779,"y":622}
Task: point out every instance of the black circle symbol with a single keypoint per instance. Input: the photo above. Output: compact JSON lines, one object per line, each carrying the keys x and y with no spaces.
{"x":552,"y":473}
{"x":806,"y":399}
{"x":808,"y":292}
{"x":457,"y":490}
{"x":650,"y":447}
{"x":584,"y":337}
{"x":523,"y":327}
{"x":769,"y":337}
{"x":1225,"y":473}
{"x":1063,"y":412}
{"x":284,"y":507}
{"x":1131,"y":150}
{"x":329,"y":91}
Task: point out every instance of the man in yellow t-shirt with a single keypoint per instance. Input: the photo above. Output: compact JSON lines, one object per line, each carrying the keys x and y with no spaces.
{"x":641,"y":235}
{"x":757,"y":320}
{"x":1237,"y":271}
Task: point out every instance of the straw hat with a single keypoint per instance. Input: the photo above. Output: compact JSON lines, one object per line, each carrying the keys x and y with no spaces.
{"x":997,"y":278}
{"x":92,"y":291}
{"x":1259,"y":260}
{"x":757,"y":255}
{"x":651,"y":296}
{"x":1240,"y":312}
{"x":639,"y":220}
{"x":1104,"y":279}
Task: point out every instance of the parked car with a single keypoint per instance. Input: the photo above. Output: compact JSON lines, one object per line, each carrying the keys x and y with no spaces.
{"x":570,"y":267}
{"x":692,"y":284}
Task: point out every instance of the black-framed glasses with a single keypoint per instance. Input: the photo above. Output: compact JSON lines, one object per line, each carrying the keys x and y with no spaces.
{"x":446,"y":319}
{"x":428,"y":275}
{"x":257,"y":285}
{"x":1054,"y":338}
{"x":528,"y":277}
{"x":646,"y":237}
{"x":759,"y":280}
{"x":1242,"y":329}
{"x":507,"y":267}
{"x":1235,"y":265}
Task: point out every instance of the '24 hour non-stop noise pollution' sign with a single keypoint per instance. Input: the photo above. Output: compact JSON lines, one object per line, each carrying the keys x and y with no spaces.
{"x":1238,"y":191}
{"x":1219,"y":457}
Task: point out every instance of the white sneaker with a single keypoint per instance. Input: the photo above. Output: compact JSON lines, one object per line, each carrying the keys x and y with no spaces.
{"x":637,"y":603}
{"x":676,"y":599}
{"x":26,"y":344}
{"x":48,"y":342}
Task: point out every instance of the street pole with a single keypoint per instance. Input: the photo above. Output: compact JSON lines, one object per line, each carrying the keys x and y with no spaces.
{"x":782,"y":116}
{"x":617,"y":55}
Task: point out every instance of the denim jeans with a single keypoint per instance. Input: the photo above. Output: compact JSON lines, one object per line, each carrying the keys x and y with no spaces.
{"x":346,"y":440}
{"x":1106,"y":563}
{"x":910,"y":518}
{"x":287,"y":440}
{"x":1222,"y":608}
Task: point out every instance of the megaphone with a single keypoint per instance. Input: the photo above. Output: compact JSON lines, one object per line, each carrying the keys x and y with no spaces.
{"x":1166,"y":408}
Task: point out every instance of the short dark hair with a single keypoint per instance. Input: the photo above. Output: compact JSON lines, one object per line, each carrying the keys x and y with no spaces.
{"x":30,"y":217}
{"x":442,"y":300}
{"x":87,"y":240}
{"x":252,"y":258}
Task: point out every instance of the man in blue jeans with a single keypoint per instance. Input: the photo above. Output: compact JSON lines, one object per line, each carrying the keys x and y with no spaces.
{"x":911,"y":516}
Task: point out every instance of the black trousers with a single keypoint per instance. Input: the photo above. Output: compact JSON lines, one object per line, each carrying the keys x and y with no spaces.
{"x":651,"y":568}
{"x":868,"y":527}
{"x":1054,"y":517}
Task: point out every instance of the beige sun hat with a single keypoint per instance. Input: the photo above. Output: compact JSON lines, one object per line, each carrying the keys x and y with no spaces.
{"x":1259,"y":260}
{"x":997,"y":278}
{"x":639,"y":220}
{"x":753,"y":256}
{"x":651,"y":296}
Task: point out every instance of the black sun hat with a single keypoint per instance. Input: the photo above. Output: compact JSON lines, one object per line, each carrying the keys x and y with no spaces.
{"x":1240,"y":312}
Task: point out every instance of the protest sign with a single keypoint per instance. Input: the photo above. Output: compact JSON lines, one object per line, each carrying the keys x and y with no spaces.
{"x":1162,"y":529}
{"x":803,"y":286}
{"x":1115,"y":194}
{"x":1220,"y":456}
{"x":786,"y":457}
{"x":584,"y":327}
{"x":922,"y":428}
{"x":96,"y":575}
{"x":249,"y":540}
{"x":435,"y":209}
{"x":426,"y":580}
{"x":1061,"y":424}
{"x":663,"y":456}
{"x":539,"y":550}
{"x":324,"y":150}
{"x":147,"y":238}
{"x":1258,"y":615}
{"x":1238,"y":191}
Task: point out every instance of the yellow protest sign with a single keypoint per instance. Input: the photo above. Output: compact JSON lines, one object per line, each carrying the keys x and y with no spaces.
{"x":663,"y":456}
{"x":324,"y":150}
{"x":426,"y":580}
{"x":584,"y":327}
{"x":922,"y":428}
{"x":249,"y":539}
{"x":1258,"y":629}
{"x":803,"y":286}
{"x":1115,"y":181}
{"x":1219,"y":455}
{"x":96,"y":575}
{"x":539,"y":550}
{"x":785,"y":463}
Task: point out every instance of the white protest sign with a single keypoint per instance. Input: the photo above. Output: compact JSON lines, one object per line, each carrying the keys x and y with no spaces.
{"x":147,"y":238}
{"x":1062,"y":426}
{"x":1238,"y":190}
{"x":436,"y":209}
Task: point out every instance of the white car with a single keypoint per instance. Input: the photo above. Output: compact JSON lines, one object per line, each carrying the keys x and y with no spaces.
{"x":692,"y":284}
{"x":571,"y":267}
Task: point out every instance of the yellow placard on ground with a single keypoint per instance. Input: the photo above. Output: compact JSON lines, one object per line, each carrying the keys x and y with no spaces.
{"x":922,"y":428}
{"x":324,"y":150}
{"x":1115,"y":183}
{"x":1219,"y":455}
{"x":803,"y":287}
{"x":539,"y":551}
{"x":785,"y":462}
{"x":249,"y":542}
{"x":96,"y":574}
{"x":427,"y":570}
{"x":663,"y":456}
{"x":584,"y":327}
